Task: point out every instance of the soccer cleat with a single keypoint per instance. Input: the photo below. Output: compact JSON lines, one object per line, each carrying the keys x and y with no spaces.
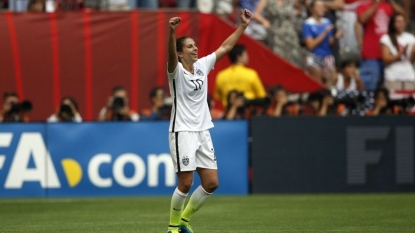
{"x":186,"y":229}
{"x":185,"y":226}
{"x":173,"y":229}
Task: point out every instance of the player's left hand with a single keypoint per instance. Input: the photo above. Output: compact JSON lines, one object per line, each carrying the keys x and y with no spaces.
{"x":245,"y":16}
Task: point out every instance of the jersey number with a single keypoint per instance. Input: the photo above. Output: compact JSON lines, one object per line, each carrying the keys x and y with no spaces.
{"x":198,"y":84}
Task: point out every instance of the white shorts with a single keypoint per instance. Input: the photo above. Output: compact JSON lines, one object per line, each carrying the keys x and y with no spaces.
{"x":190,"y":150}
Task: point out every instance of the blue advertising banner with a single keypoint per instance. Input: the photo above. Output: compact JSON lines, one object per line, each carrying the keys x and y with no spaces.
{"x":22,"y":160}
{"x":108,"y":159}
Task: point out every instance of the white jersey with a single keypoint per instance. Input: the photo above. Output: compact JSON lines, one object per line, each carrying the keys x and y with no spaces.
{"x":340,"y":84}
{"x":403,"y":69}
{"x":190,"y":111}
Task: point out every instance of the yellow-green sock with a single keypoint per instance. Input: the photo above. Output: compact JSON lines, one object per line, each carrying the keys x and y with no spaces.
{"x":196,"y":201}
{"x":176,"y":209}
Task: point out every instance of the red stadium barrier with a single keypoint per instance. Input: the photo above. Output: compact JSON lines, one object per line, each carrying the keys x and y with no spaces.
{"x":84,"y":54}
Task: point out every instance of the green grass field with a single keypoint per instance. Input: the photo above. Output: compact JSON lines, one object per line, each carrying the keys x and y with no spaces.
{"x":256,"y":213}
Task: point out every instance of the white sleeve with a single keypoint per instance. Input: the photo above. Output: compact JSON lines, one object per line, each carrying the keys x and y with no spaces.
{"x":209,"y":62}
{"x":173,"y":75}
{"x":409,"y":41}
{"x":385,"y":40}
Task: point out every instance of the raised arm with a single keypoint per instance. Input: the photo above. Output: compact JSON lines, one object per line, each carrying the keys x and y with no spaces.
{"x":399,"y":10}
{"x":228,"y":44}
{"x":365,"y":16}
{"x":173,"y":59}
{"x":258,"y":14}
{"x":334,"y":5}
{"x":407,"y":7}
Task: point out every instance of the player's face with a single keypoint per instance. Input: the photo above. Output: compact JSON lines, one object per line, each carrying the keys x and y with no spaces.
{"x":189,"y":53}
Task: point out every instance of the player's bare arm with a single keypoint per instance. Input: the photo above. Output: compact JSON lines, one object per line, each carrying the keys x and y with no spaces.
{"x":228,"y":44}
{"x":173,"y":60}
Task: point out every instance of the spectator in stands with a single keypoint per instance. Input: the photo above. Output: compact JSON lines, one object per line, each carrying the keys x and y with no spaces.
{"x":68,"y":5}
{"x":277,"y":17}
{"x":238,"y":77}
{"x":279,"y":103}
{"x":398,"y":55}
{"x":148,"y":4}
{"x":186,"y":4}
{"x":348,"y":79}
{"x":115,"y":5}
{"x":228,"y":10}
{"x":323,"y":103}
{"x":409,"y":7}
{"x":374,"y":17}
{"x":159,"y":110}
{"x":381,"y":103}
{"x":67,"y":112}
{"x":117,"y":108}
{"x":255,"y":29}
{"x":18,"y":5}
{"x":352,"y":37}
{"x":205,"y":6}
{"x":318,"y":36}
{"x":4,"y":4}
{"x":235,"y":106}
{"x":12,"y":110}
{"x":300,"y":15}
{"x":167,"y":3}
{"x":38,"y":6}
{"x":333,"y":9}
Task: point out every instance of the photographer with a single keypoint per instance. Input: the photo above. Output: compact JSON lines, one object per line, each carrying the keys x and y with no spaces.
{"x":235,"y":106}
{"x":280,"y":105}
{"x":117,"y":107}
{"x":13,"y":111}
{"x":381,"y":103}
{"x":67,"y":112}
{"x":159,"y":109}
{"x":323,"y":103}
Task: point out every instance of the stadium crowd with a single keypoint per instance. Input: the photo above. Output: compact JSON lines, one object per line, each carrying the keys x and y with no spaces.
{"x":361,"y":51}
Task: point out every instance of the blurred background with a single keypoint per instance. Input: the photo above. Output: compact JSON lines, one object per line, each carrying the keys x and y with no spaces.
{"x":318,"y":96}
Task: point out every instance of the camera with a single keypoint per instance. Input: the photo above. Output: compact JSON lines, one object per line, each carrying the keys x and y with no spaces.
{"x":17,"y":111}
{"x":118,"y":103}
{"x":356,"y":102}
{"x":405,"y":104}
{"x":65,"y":113}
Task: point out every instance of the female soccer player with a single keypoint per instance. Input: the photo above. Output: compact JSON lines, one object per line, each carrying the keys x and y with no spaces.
{"x":190,"y":144}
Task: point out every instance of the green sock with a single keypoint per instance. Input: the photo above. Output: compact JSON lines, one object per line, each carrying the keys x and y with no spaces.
{"x":176,"y":209}
{"x":196,"y":201}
